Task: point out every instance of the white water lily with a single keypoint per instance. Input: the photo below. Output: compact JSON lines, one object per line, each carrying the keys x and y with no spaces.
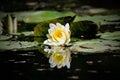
{"x":58,"y":34}
{"x":60,"y":57}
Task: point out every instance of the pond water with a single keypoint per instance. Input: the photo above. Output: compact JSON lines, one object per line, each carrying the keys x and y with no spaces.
{"x":31,"y":65}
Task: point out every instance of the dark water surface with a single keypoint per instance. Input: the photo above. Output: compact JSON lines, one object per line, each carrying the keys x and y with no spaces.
{"x":32,"y":65}
{"x":23,"y":5}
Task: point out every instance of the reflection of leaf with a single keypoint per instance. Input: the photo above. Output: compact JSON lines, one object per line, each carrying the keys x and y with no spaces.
{"x":8,"y":45}
{"x":41,"y":29}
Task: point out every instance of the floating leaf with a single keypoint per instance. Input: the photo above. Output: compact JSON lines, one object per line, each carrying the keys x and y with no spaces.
{"x":9,"y":45}
{"x":95,"y":46}
{"x":110,"y":35}
{"x":40,"y":16}
{"x":102,"y":19}
{"x":4,"y":37}
{"x":26,"y":33}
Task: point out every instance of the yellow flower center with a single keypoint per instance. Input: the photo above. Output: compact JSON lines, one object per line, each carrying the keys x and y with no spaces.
{"x":58,"y":33}
{"x":58,"y":57}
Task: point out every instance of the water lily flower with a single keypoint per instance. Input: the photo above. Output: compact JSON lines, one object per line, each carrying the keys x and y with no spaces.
{"x":60,"y":57}
{"x":58,"y":34}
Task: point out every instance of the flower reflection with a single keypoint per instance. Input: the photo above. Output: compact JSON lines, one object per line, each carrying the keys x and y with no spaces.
{"x":58,"y":34}
{"x":59,"y":57}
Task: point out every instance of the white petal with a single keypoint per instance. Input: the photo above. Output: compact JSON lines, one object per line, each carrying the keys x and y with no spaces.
{"x":46,"y":50}
{"x":52,"y":65}
{"x":58,"y":24}
{"x":63,"y":64}
{"x":68,"y":41}
{"x":52,"y":25}
{"x":68,"y":64}
{"x":50,"y":30}
{"x":59,"y":66}
{"x":48,"y":42}
{"x":51,"y":60}
{"x":67,"y":26}
{"x":45,"y":42}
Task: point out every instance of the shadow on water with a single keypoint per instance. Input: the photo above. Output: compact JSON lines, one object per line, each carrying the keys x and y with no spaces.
{"x":32,"y":65}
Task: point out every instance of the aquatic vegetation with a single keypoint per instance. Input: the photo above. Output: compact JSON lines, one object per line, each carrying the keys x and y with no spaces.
{"x":17,"y":45}
{"x":58,"y":34}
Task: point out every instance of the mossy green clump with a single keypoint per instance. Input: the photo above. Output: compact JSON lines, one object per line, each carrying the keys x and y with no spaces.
{"x":84,"y":29}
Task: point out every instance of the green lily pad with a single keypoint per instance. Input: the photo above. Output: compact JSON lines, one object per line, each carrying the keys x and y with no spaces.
{"x":95,"y":46}
{"x":10,"y":45}
{"x":4,"y":37}
{"x":102,"y":19}
{"x":110,"y":35}
{"x":26,"y":33}
{"x":39,"y":16}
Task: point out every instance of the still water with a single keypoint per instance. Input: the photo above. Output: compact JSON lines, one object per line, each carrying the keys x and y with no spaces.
{"x":32,"y":65}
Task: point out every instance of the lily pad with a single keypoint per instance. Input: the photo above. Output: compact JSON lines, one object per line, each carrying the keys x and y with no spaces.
{"x":4,"y":37}
{"x":26,"y":33}
{"x":95,"y":46}
{"x":39,"y":16}
{"x":10,"y":45}
{"x":110,"y":35}
{"x":102,"y":19}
